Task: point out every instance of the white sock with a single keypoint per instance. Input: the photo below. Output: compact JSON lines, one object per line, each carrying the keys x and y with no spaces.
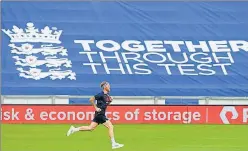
{"x":113,"y":140}
{"x":76,"y":129}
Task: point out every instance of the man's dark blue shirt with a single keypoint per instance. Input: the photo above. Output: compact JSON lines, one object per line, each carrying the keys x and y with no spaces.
{"x":102,"y":101}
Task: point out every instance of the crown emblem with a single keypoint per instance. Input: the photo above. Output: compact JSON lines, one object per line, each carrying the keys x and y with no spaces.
{"x":32,"y":34}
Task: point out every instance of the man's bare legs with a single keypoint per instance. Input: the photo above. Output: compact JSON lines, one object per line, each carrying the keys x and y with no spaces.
{"x":110,"y":127}
{"x":73,"y":129}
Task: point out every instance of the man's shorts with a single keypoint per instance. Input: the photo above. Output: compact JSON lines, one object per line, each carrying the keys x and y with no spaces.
{"x":100,"y":118}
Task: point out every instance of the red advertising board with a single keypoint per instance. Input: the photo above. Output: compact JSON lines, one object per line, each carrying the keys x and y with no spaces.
{"x":126,"y":114}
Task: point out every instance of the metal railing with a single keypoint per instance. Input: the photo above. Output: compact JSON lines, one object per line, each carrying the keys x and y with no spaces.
{"x":154,"y":98}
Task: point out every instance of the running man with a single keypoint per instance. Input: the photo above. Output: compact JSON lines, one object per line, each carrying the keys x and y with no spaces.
{"x":103,"y":100}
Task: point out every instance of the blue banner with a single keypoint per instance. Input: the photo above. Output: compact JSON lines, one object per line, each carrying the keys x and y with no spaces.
{"x":141,"y":48}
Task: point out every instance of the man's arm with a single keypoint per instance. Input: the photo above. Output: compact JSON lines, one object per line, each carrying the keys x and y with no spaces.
{"x":110,"y":100}
{"x":92,"y":101}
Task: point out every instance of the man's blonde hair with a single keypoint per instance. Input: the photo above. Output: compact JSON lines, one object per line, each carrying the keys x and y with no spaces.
{"x":103,"y":84}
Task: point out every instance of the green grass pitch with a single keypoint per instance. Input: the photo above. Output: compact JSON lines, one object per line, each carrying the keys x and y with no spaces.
{"x":139,"y":137}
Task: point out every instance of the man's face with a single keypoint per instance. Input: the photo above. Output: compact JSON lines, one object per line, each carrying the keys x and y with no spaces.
{"x":107,"y":87}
